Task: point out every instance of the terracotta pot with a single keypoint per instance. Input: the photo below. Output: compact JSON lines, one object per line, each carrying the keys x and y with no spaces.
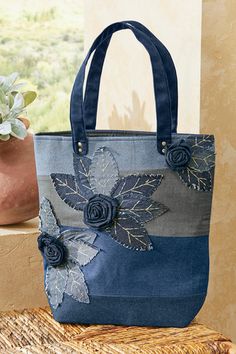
{"x":18,"y":183}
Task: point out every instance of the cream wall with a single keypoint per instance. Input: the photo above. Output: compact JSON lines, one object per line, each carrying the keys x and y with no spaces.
{"x":127,"y":98}
{"x":218,"y":115}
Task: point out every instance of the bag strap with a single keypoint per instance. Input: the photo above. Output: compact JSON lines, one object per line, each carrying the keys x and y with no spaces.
{"x":161,"y":88}
{"x":93,"y":80}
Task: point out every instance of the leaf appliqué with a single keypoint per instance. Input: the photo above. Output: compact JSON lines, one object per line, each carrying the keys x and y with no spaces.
{"x":79,"y":246}
{"x":199,"y":173}
{"x":55,"y":284}
{"x":47,"y":219}
{"x":200,"y":181}
{"x":104,"y":171}
{"x":85,"y":235}
{"x":80,"y":252}
{"x":69,"y":191}
{"x":76,"y":285}
{"x":203,"y":154}
{"x":142,"y":209}
{"x":81,"y":168}
{"x":140,"y":185}
{"x":131,"y":234}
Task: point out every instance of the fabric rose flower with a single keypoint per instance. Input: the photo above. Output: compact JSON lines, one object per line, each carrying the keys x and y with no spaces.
{"x":178,"y":155}
{"x":100,"y":211}
{"x":52,"y":249}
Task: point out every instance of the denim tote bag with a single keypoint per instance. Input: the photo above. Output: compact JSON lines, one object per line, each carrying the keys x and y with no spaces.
{"x":125,"y":215}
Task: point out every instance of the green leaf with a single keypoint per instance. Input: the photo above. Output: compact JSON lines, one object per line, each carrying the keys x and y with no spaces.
{"x":4,"y":110}
{"x":16,"y":87}
{"x":12,"y":78}
{"x":18,"y":102}
{"x":4,"y":137}
{"x":29,"y":97}
{"x":2,"y":97}
{"x":5,"y":128}
{"x":6,"y":82}
{"x":18,"y":129}
{"x":10,"y":100}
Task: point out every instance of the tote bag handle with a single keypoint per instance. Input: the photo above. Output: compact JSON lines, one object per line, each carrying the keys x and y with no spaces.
{"x":161,"y":89}
{"x":93,"y":80}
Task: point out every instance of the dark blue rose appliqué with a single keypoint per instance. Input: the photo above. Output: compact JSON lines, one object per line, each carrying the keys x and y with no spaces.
{"x":100,"y":211}
{"x":53,"y":250}
{"x":178,"y":155}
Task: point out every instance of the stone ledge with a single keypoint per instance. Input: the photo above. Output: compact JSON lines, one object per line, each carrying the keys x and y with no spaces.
{"x":21,"y":269}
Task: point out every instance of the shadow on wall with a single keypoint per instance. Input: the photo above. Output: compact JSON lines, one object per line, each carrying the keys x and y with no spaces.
{"x":134,"y":119}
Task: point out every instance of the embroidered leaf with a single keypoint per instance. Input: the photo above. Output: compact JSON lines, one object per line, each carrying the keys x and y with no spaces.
{"x":84,"y":235}
{"x":140,"y":185}
{"x":76,"y":286}
{"x":81,"y":168}
{"x":48,"y":221}
{"x":68,"y":190}
{"x":142,"y":209}
{"x":55,"y":284}
{"x":80,"y":252}
{"x":104,"y":171}
{"x":131,"y":234}
{"x":203,"y":154}
{"x":201,"y":181}
{"x":79,"y":245}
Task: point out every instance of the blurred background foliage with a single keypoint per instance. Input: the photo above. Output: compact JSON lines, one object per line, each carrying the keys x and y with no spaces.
{"x":43,"y":42}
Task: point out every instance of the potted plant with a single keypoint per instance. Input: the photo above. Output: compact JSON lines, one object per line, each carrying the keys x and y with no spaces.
{"x":19,"y":191}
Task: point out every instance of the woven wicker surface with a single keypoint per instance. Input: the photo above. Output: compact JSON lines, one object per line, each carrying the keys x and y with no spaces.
{"x":35,"y":332}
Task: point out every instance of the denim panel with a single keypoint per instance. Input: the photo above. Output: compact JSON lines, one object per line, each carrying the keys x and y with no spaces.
{"x":131,"y":311}
{"x":130,"y":152}
{"x":188,"y":215}
{"x":177,"y":266}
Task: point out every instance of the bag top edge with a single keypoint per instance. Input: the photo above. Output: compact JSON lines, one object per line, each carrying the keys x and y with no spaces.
{"x":115,"y":133}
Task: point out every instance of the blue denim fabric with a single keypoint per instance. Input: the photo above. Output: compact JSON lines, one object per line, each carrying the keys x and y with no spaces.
{"x":177,"y":266}
{"x":131,"y":311}
{"x":164,"y":287}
